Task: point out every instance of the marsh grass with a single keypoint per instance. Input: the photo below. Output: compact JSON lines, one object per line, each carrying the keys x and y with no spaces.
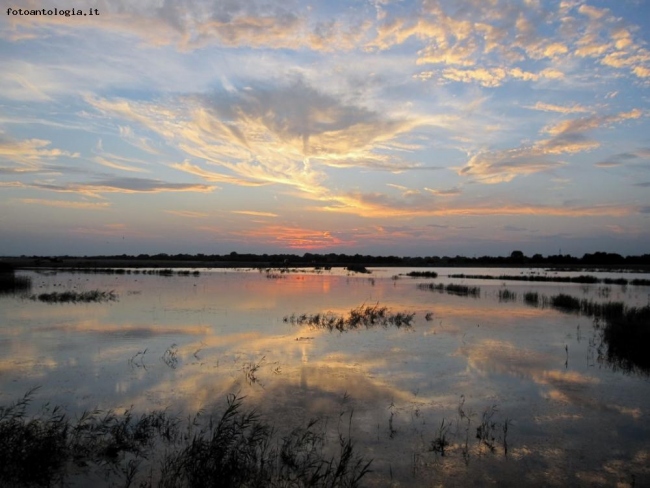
{"x":624,"y":330}
{"x":531,"y":298}
{"x":506,"y":295}
{"x":422,"y":274}
{"x":566,"y":303}
{"x":122,"y":271}
{"x":453,"y":289}
{"x":627,"y":335}
{"x":362,"y":316}
{"x":357,"y":268}
{"x":451,"y":437}
{"x":236,"y":448}
{"x":10,"y":283}
{"x":584,"y":279}
{"x":90,"y":296}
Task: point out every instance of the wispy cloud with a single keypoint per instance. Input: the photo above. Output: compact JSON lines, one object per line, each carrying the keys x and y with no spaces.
{"x":294,"y":237}
{"x":254,"y":213}
{"x":31,"y":153}
{"x":549,"y":107}
{"x":65,"y":204}
{"x":123,"y":185}
{"x":568,"y":136}
{"x":287,"y":135}
{"x":188,"y":213}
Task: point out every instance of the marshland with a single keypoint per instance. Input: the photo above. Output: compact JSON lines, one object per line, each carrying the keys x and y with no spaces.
{"x":325,"y":377}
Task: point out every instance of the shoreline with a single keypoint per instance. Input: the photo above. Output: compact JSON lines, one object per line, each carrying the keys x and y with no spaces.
{"x":23,"y":263}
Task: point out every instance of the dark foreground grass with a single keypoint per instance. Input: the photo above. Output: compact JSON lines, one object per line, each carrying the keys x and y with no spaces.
{"x":234,"y":449}
{"x":95,"y":296}
{"x":362,"y":316}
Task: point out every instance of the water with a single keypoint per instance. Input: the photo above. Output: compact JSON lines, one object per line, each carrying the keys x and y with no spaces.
{"x":185,"y":342}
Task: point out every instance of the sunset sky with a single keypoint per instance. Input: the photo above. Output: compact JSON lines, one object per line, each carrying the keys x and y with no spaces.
{"x":434,"y":127}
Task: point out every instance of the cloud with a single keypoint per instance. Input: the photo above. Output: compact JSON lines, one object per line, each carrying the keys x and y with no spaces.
{"x":512,"y":228}
{"x":286,"y":135}
{"x":142,"y":143}
{"x":549,"y":107}
{"x":294,"y":237}
{"x":445,"y":193}
{"x":493,"y":77}
{"x":378,"y":205}
{"x":188,"y":213}
{"x":254,"y":213}
{"x":123,"y":185}
{"x":199,"y":23}
{"x":505,"y":165}
{"x":607,"y":164}
{"x":568,"y":136}
{"x":66,"y":204}
{"x":31,"y":153}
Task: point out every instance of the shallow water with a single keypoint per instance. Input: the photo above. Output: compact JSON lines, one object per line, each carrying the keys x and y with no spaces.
{"x":571,"y":417}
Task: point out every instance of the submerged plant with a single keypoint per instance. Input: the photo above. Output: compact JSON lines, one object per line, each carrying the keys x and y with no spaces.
{"x":440,"y":443}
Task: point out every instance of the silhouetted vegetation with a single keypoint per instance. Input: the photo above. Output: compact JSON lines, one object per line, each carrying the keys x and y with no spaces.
{"x":357,"y":268}
{"x":236,"y":448}
{"x":507,"y":295}
{"x":362,"y":316}
{"x":10,"y":283}
{"x":627,"y":335}
{"x":422,"y":274}
{"x":585,"y":279}
{"x":76,"y":296}
{"x":624,"y":330}
{"x":452,"y":289}
{"x":531,"y":298}
{"x":235,"y":259}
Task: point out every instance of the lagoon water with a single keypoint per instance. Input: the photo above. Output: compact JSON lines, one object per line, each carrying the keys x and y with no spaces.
{"x":549,"y":408}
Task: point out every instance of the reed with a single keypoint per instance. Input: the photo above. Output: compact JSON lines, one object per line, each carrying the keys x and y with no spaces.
{"x":236,"y":448}
{"x":422,"y":274}
{"x":362,"y":316}
{"x":453,"y":289}
{"x":507,"y":295}
{"x":531,"y":298}
{"x":12,"y":284}
{"x":584,"y":279}
{"x":627,"y":335}
{"x":91,"y":296}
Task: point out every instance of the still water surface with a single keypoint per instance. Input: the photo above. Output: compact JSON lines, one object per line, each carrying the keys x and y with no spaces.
{"x":555,"y":411}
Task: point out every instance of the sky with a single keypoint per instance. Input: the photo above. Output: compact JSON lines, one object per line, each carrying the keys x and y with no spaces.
{"x":409,"y":128}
